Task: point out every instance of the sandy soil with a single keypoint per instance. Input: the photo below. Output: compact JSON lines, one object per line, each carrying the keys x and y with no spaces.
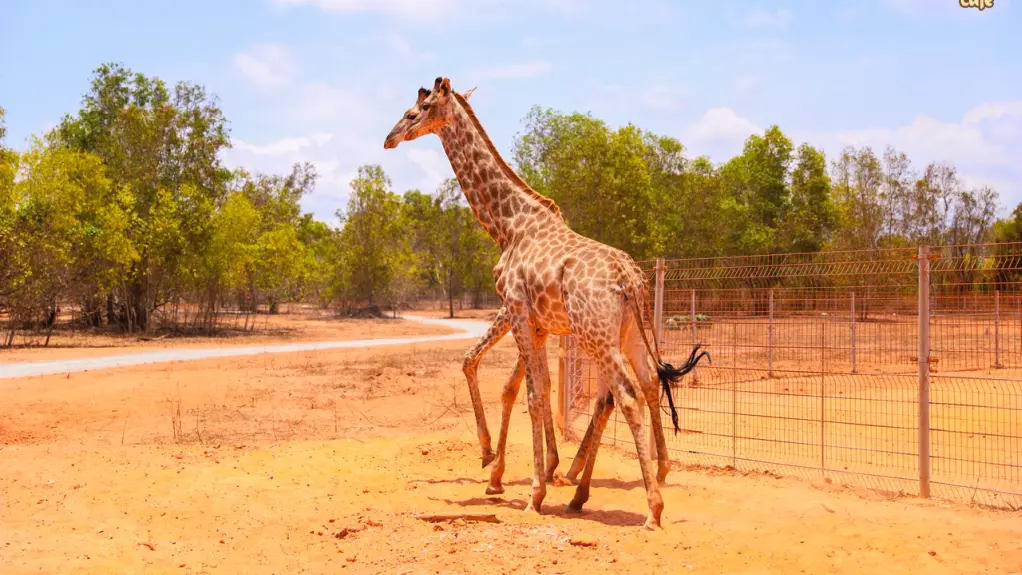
{"x":285,"y":328}
{"x":318,"y":462}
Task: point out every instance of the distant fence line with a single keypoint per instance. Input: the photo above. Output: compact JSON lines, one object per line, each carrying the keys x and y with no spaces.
{"x":898,"y":369}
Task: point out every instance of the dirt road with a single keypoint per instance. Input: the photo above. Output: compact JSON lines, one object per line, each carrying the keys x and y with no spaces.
{"x":464,"y":329}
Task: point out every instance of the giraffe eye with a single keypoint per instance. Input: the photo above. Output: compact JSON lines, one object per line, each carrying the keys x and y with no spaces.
{"x":409,"y":116}
{"x":425,"y":107}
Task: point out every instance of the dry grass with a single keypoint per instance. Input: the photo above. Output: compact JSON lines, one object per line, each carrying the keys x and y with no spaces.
{"x":306,"y":396}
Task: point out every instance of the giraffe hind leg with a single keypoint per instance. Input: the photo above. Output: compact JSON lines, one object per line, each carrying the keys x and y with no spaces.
{"x":604,"y":407}
{"x":552,"y":458}
{"x":635,"y":351}
{"x":612,"y":367}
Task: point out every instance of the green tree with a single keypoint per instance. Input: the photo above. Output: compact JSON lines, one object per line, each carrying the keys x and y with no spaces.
{"x":372,"y":242}
{"x":228,"y":255}
{"x":457,"y":244}
{"x":162,"y":145}
{"x":69,"y":228}
{"x":809,"y":222}
{"x":11,"y":266}
{"x":756,"y":192}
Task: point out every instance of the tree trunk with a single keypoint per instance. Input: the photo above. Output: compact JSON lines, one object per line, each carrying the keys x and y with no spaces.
{"x":450,"y":295}
{"x":111,"y":317}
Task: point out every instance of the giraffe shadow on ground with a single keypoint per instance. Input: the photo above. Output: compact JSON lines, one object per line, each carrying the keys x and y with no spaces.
{"x":615,"y":483}
{"x":606,"y":483}
{"x":469,"y":481}
{"x":517,"y":504}
{"x":609,"y":517}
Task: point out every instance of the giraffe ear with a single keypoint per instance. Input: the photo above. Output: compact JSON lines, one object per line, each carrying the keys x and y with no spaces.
{"x":445,"y":87}
{"x":468,"y":93}
{"x":422,"y":95}
{"x":436,"y":83}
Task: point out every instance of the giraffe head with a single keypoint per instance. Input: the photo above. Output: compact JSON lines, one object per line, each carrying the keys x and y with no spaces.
{"x":431,"y":112}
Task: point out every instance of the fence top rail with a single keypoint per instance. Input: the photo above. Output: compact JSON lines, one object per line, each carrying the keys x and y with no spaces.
{"x":885,"y":261}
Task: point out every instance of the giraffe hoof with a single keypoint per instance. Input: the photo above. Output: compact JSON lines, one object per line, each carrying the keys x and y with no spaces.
{"x":573,"y":508}
{"x":532,"y":510}
{"x":488,"y":457}
{"x":494,"y":489}
{"x":651,"y":525}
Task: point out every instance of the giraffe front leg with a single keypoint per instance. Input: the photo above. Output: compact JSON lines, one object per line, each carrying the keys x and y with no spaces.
{"x":525,"y":337}
{"x":497,"y":330}
{"x":507,"y":399}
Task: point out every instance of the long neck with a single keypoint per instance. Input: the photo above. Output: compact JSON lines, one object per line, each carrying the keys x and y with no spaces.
{"x":503,"y":203}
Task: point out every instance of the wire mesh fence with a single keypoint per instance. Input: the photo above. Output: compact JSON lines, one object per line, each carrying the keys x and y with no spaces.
{"x":817,"y":372}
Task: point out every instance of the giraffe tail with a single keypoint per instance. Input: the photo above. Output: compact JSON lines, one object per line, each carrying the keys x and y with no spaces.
{"x":668,"y":375}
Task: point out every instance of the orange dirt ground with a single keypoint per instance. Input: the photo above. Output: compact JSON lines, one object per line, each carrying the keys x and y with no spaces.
{"x":317,"y":462}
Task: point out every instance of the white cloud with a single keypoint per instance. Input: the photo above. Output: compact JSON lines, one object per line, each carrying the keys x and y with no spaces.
{"x":514,"y":71}
{"x":321,"y":103}
{"x":338,"y":129}
{"x":719,"y":133}
{"x":617,"y":101}
{"x":402,"y":48}
{"x":398,"y":44}
{"x":745,"y":85}
{"x":660,"y":98}
{"x":917,"y":9}
{"x":847,"y":15}
{"x":764,"y":52}
{"x":758,"y":18}
{"x":988,"y":135}
{"x":284,"y":146}
{"x":984,"y":144}
{"x":422,"y":10}
{"x":268,"y":67}
{"x":434,"y":165}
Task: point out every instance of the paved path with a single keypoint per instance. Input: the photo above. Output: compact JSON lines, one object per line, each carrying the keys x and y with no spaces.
{"x":468,"y":329}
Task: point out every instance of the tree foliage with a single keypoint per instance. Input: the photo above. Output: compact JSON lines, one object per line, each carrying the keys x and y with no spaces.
{"x":124,"y":210}
{"x":637,"y":191}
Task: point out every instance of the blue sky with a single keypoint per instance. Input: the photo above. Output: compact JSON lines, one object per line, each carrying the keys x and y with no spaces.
{"x":325,"y":80}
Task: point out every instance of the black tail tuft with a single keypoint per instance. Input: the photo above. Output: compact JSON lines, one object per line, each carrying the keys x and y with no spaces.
{"x":670,"y":376}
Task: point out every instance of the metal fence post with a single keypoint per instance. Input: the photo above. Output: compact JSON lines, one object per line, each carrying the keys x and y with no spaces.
{"x":695,"y":377}
{"x":924,"y":371}
{"x":997,"y":328}
{"x":770,"y":334}
{"x":658,"y":303}
{"x":823,"y":395}
{"x":853,"y":331}
{"x":658,"y":330}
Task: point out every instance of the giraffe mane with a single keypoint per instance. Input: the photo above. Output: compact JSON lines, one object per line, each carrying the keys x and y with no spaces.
{"x":510,"y":173}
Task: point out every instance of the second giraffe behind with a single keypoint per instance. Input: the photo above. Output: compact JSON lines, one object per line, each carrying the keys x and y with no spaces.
{"x":552,"y":281}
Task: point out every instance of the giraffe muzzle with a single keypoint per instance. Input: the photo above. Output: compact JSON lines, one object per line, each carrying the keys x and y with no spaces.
{"x":390,"y":142}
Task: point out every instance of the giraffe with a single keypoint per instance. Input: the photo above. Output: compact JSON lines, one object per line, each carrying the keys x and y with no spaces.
{"x":512,"y":386}
{"x":551,"y":281}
